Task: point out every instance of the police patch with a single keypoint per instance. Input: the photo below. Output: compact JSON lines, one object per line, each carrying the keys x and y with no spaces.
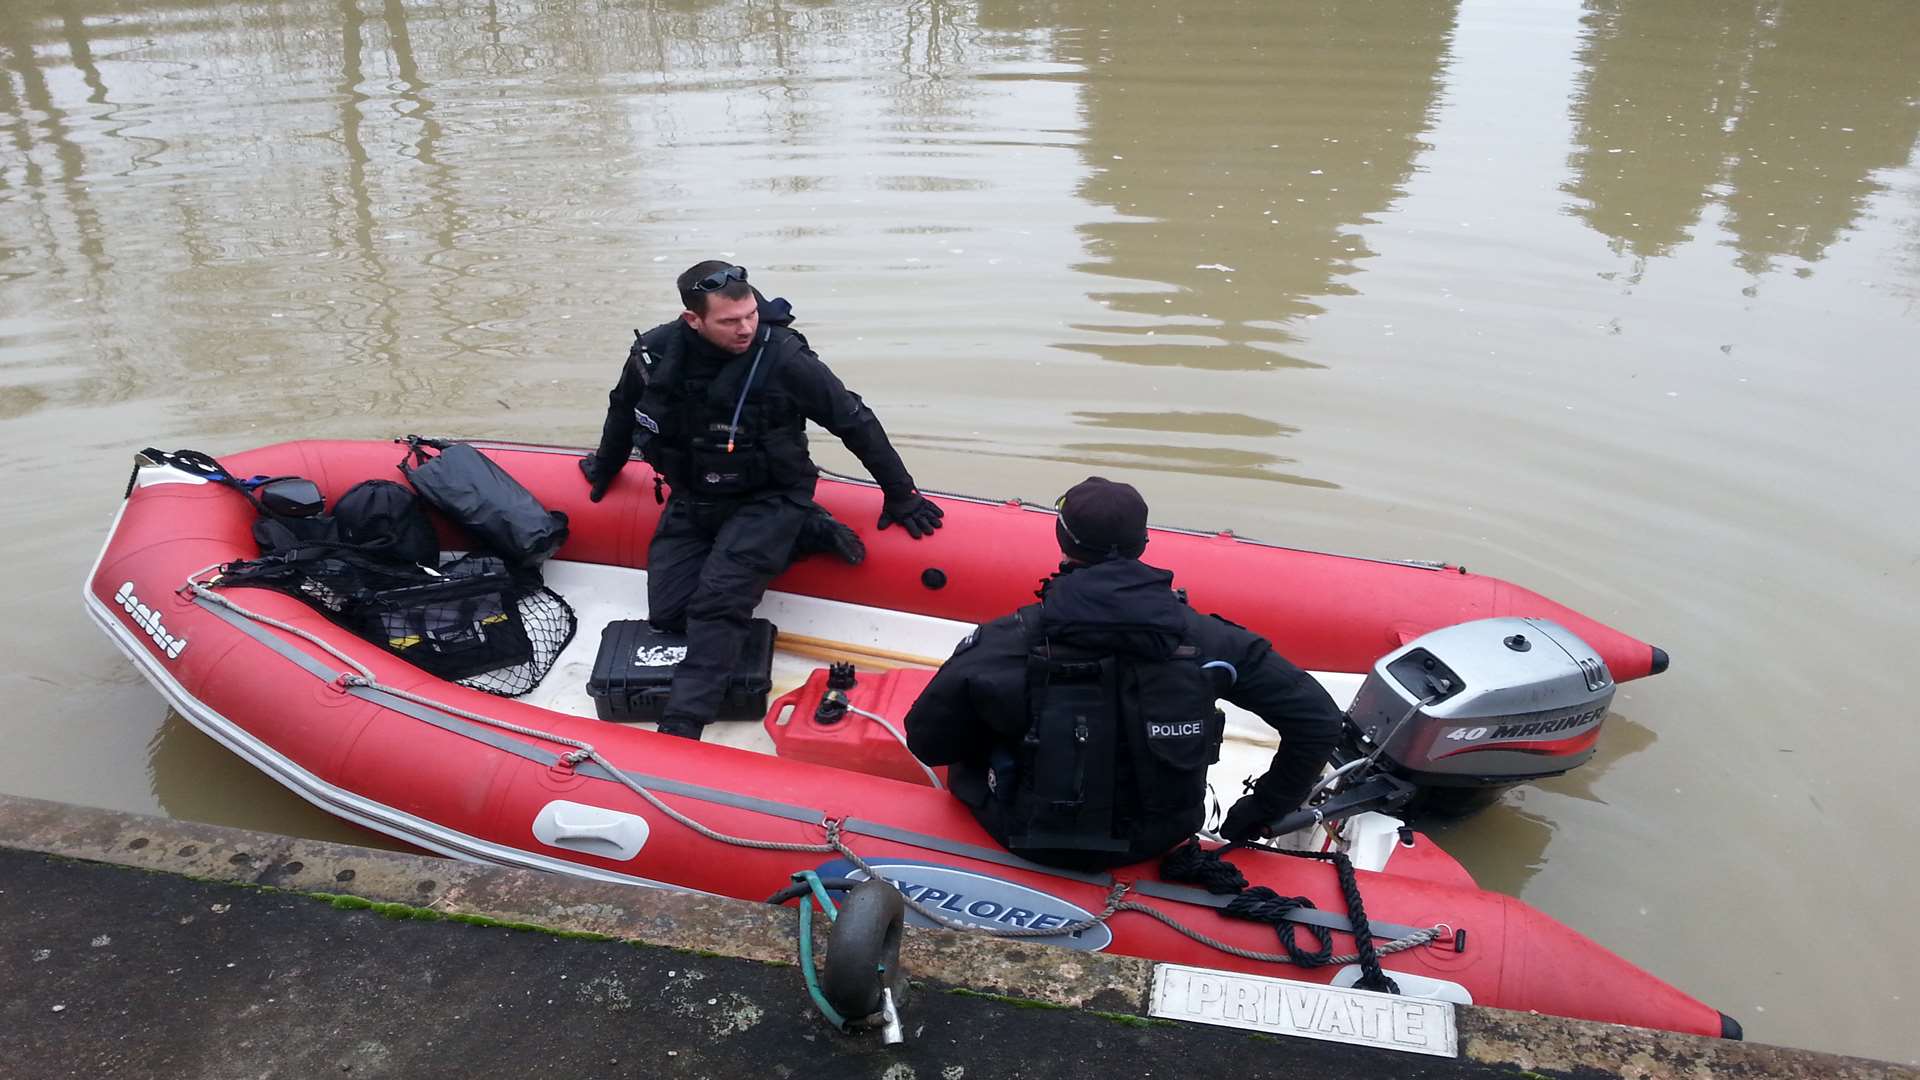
{"x":645,"y":421}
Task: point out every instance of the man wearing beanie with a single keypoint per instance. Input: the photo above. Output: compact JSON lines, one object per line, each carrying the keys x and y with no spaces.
{"x":1079,"y":729}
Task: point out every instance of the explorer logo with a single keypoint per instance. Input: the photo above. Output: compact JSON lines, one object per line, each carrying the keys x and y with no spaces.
{"x":148,"y":619}
{"x":981,"y":900}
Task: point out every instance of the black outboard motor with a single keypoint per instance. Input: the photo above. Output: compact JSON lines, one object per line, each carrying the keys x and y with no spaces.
{"x":1449,"y":721}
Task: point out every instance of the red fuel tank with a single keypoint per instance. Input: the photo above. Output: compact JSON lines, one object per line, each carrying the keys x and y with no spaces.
{"x":840,"y":735}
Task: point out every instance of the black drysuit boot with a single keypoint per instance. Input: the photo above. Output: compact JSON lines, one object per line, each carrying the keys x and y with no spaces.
{"x":682,"y":728}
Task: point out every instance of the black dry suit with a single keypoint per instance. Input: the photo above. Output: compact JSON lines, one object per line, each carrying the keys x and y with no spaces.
{"x":1080,"y":729}
{"x":728,"y":433}
{"x":720,"y":426}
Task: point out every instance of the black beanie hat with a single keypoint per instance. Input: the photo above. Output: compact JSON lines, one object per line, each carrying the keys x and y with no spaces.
{"x":1101,"y":519}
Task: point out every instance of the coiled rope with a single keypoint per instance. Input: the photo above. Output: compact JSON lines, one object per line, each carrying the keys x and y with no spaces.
{"x":1208,"y":868}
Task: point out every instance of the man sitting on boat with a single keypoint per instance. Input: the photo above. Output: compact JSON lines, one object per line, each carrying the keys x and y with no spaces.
{"x":717,"y":401}
{"x":1079,"y":729}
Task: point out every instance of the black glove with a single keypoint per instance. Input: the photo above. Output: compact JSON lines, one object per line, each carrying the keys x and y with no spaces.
{"x":821,"y":531}
{"x":597,"y":475}
{"x":1247,"y":820}
{"x":913,"y":512}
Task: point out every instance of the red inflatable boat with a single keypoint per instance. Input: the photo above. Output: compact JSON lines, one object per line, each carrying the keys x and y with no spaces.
{"x":370,"y":738}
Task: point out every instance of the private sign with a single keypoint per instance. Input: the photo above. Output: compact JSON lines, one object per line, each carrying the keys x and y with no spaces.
{"x":1307,"y":1010}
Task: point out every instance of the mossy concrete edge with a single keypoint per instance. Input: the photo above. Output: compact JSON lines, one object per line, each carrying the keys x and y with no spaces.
{"x":690,"y":922}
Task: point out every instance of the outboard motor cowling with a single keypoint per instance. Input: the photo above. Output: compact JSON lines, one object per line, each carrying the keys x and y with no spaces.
{"x":1506,"y":701}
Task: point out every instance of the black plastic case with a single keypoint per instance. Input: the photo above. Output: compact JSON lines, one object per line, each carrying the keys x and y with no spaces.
{"x":634,"y":669}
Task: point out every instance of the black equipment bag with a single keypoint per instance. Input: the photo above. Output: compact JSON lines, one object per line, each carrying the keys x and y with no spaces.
{"x":375,"y":518}
{"x":288,"y":497}
{"x":280,"y":536}
{"x":450,"y":627}
{"x":454,"y":625}
{"x":477,"y":621}
{"x":461,"y":624}
{"x":634,"y":669}
{"x":480,"y":497}
{"x":291,"y":509}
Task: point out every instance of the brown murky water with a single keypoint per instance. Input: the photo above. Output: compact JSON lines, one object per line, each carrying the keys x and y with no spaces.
{"x":1616,"y":299}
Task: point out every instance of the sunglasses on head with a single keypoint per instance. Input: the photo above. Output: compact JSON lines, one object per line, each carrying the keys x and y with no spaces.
{"x":719,"y":279}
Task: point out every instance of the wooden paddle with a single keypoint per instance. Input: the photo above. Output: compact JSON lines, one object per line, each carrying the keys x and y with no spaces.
{"x":866,"y":656}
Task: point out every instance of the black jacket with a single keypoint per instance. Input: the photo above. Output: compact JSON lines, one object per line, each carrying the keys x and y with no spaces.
{"x":792,"y":387}
{"x":977,"y":703}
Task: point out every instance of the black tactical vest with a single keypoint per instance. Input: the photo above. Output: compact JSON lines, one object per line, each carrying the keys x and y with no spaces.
{"x":685,"y":427}
{"x":1115,"y":755}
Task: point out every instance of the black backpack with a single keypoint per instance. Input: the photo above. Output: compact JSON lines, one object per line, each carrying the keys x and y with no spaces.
{"x":375,"y":519}
{"x":385,"y":517}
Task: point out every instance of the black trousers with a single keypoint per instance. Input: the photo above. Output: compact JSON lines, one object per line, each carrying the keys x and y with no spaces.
{"x":707,"y":568}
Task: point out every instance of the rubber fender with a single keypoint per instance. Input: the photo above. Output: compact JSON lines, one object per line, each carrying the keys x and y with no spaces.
{"x":863,"y":955}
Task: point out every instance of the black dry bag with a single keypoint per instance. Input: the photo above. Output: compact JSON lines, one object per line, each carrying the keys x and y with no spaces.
{"x":481,"y":498}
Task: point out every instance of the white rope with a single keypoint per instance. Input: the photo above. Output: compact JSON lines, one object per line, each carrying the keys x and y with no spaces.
{"x":206,"y":593}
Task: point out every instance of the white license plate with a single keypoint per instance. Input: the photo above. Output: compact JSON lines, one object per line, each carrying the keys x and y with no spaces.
{"x":1308,"y":1010}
